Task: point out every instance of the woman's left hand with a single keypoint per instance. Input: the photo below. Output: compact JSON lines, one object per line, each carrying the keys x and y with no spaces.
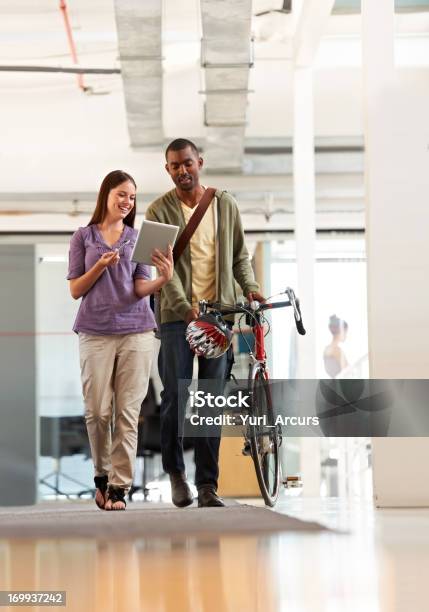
{"x":164,"y":264}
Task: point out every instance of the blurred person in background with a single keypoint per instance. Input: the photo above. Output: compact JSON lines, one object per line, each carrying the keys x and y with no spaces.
{"x":334,"y":357}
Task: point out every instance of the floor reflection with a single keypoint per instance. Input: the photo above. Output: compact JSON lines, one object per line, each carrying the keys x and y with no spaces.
{"x":378,"y":562}
{"x":226,"y":573}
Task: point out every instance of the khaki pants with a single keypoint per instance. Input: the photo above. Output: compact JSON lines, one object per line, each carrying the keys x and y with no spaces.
{"x":114,"y":368}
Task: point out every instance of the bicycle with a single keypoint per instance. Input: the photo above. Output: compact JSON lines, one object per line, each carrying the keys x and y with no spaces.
{"x":262,"y":437}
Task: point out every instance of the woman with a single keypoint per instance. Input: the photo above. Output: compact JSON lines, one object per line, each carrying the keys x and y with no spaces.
{"x":115,"y":326}
{"x":333,"y":356}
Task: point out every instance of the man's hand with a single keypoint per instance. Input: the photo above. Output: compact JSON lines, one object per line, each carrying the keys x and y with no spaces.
{"x":254,"y":296}
{"x":191,"y":315}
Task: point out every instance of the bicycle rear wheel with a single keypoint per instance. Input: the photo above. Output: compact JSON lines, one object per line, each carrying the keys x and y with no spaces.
{"x":265,"y":438}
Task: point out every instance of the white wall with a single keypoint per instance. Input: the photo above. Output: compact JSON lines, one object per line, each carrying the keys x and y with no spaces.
{"x":398,"y":267}
{"x":397,"y":227}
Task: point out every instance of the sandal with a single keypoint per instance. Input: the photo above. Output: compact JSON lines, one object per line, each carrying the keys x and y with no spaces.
{"x":101,"y":485}
{"x":116,"y":494}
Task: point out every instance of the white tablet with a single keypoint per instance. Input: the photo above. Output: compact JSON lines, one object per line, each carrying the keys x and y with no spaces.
{"x":153,"y":235}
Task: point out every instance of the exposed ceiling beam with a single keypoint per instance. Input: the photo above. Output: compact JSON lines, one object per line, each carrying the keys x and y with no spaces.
{"x":140,"y":53}
{"x":226,"y":57}
{"x":312,"y":18}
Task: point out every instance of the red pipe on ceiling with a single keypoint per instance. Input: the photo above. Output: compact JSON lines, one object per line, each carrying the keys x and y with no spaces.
{"x":73,"y":52}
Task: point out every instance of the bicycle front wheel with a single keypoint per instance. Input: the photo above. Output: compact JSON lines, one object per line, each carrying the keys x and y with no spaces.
{"x":264,"y":437}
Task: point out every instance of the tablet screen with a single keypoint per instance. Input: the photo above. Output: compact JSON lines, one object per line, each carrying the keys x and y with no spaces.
{"x":153,"y":235}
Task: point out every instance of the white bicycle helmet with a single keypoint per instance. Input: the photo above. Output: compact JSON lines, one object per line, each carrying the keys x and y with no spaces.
{"x":209,"y":336}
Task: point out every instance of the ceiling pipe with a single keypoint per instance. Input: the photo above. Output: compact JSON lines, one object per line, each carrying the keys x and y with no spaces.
{"x":76,"y":70}
{"x":72,"y":46}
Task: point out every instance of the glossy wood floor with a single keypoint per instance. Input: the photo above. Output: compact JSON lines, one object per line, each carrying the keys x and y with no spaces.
{"x":374,"y":561}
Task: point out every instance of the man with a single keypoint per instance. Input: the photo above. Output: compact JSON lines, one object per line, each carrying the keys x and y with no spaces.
{"x":215,"y":256}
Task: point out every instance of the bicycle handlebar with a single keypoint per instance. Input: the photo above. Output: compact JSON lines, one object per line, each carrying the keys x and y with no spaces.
{"x":244,"y":308}
{"x":296,"y":310}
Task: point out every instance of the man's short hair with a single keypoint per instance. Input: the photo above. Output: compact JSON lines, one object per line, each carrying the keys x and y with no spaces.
{"x":181,"y":143}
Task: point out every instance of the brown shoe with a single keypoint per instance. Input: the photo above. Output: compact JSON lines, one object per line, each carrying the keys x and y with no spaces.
{"x":181,"y":494}
{"x":208,"y":498}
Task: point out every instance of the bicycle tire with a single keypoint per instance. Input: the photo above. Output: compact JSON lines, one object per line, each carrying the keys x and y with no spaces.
{"x":264,"y":438}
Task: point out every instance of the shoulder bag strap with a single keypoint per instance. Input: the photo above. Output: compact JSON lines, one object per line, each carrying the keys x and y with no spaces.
{"x":193,"y":223}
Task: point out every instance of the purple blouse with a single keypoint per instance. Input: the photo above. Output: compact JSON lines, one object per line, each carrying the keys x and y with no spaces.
{"x":110,"y":306}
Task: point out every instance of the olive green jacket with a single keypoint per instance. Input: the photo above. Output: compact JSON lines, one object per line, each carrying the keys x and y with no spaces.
{"x":232,"y":257}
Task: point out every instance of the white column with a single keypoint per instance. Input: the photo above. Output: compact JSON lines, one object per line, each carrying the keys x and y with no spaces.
{"x":305,"y":214}
{"x":305,"y":237}
{"x":310,"y":18}
{"x":378,"y":34}
{"x":397,"y":184}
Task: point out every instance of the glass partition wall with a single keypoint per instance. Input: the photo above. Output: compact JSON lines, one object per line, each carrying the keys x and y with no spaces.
{"x":340,"y":291}
{"x":340,"y":307}
{"x":64,"y":464}
{"x":65,"y":467}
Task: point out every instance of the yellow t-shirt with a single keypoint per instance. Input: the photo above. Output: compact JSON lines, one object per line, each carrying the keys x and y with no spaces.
{"x":203,"y":255}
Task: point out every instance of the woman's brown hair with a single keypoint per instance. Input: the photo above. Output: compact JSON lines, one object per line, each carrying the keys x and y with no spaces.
{"x":112,"y":180}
